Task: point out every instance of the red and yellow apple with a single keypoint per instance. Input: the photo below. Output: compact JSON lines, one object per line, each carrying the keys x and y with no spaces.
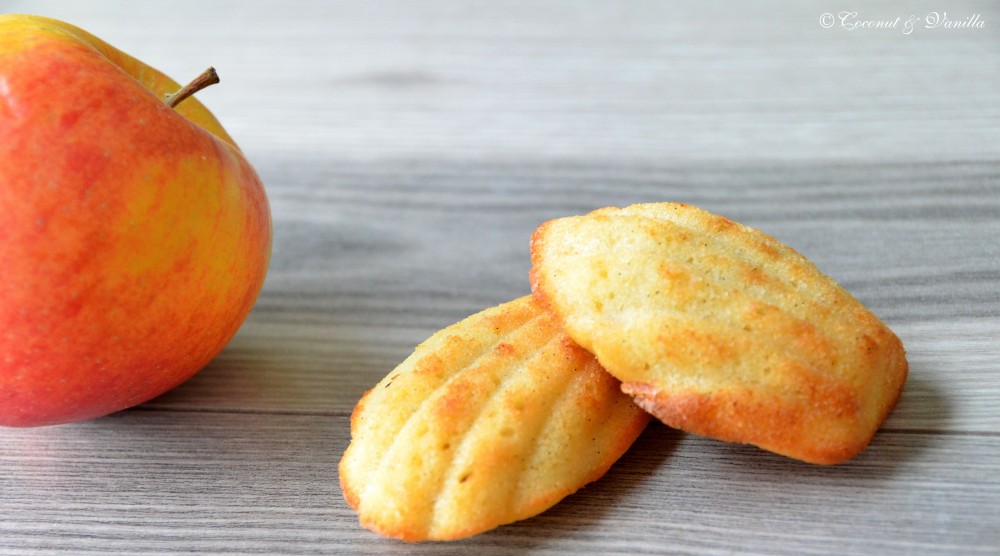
{"x":134,"y":236}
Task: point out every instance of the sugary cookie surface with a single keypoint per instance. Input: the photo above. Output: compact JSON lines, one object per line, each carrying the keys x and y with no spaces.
{"x":489,"y":421}
{"x":719,"y":329}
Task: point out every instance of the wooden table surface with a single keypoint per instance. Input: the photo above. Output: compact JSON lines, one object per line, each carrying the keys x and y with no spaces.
{"x":410,"y":148}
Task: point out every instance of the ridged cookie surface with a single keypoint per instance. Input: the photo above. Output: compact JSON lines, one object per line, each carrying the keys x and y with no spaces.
{"x":719,"y":329}
{"x":489,"y":421}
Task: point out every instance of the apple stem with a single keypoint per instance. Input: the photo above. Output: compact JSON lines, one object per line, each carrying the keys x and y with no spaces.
{"x":207,"y":77}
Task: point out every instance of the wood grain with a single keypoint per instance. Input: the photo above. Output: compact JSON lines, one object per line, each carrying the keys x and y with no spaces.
{"x":409,"y":149}
{"x":151,"y":481}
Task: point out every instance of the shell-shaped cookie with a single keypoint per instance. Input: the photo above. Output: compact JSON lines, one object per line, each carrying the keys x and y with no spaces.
{"x":720,"y":329}
{"x":489,"y":421}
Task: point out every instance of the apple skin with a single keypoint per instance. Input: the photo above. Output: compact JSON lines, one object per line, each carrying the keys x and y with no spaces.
{"x":134,"y":238}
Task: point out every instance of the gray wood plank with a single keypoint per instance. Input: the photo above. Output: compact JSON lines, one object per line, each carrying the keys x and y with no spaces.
{"x":160,"y":482}
{"x":633,"y":81}
{"x":375,"y":262}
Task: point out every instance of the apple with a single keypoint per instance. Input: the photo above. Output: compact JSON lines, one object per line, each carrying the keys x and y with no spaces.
{"x":134,"y":235}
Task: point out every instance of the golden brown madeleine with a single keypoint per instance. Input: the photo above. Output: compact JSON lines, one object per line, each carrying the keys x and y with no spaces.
{"x":489,"y":421}
{"x":719,"y":329}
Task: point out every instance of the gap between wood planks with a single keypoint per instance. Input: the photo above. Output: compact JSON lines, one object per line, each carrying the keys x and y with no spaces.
{"x":347,"y":414}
